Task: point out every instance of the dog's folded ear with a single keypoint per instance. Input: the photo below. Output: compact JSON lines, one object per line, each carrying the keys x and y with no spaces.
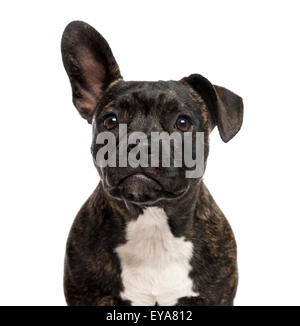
{"x":90,"y":65}
{"x":225,"y":106}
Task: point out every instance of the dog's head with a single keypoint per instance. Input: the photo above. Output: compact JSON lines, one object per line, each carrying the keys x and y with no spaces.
{"x":104,"y":99}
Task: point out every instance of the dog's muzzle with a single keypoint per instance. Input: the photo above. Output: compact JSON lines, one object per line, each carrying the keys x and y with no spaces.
{"x":140,"y":188}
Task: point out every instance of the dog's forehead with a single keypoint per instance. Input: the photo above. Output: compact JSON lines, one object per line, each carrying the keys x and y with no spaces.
{"x":152,"y":93}
{"x":144,"y":100}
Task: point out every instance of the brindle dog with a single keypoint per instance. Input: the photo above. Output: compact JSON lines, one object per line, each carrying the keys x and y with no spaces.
{"x":149,"y":235}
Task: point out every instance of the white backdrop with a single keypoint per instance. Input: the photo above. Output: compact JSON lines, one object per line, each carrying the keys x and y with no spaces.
{"x":250,"y":47}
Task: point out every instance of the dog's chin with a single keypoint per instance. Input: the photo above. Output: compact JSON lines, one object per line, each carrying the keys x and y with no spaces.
{"x":142,"y":190}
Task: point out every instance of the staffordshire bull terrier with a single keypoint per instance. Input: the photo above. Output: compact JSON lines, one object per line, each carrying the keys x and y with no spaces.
{"x":147,"y":235}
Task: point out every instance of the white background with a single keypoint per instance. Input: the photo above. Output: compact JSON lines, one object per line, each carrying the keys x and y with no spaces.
{"x":250,"y":47}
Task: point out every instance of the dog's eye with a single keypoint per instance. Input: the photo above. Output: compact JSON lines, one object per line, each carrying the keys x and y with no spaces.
{"x":183,"y":124}
{"x":110,"y":121}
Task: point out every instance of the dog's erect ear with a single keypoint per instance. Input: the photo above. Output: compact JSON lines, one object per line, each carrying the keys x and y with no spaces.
{"x":90,"y":65}
{"x":225,"y":106}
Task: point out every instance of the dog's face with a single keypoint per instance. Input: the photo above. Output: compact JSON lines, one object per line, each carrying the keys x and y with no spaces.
{"x":102,"y":97}
{"x":147,"y":107}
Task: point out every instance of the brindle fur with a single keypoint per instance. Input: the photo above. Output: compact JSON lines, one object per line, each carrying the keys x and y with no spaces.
{"x":92,"y":268}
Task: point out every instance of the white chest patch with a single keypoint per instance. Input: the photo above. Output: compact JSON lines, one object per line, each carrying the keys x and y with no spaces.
{"x":155,"y":264}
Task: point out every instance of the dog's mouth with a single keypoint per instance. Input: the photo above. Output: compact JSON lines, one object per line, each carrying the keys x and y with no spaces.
{"x":142,"y":189}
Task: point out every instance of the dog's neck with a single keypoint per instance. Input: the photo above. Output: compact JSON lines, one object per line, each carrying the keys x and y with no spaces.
{"x":180,"y":211}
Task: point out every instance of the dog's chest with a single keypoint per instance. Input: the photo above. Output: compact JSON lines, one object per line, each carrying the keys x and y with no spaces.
{"x":155,"y":264}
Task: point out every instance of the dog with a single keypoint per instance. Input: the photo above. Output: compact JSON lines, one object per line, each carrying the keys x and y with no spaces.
{"x":147,"y":235}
